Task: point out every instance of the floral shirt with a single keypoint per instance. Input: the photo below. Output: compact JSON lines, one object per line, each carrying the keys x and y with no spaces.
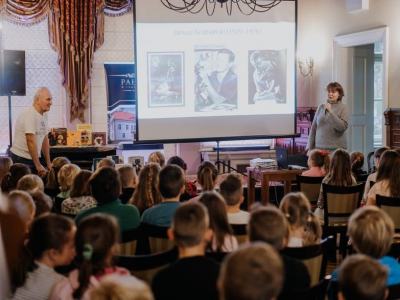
{"x":73,"y":206}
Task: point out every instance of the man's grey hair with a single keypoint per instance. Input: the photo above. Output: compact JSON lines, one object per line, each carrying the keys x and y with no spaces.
{"x":39,"y":93}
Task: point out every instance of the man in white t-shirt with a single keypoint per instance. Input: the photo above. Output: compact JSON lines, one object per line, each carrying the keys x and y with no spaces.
{"x":232,"y":191}
{"x":30,"y":135}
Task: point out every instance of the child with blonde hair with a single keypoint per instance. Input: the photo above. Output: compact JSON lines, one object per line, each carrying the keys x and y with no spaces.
{"x":65,"y":178}
{"x":157,"y":157}
{"x":30,"y":183}
{"x":304,"y":227}
{"x":129,"y":181}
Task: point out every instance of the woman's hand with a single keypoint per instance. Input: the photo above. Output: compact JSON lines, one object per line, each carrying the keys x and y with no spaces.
{"x":328,"y":106}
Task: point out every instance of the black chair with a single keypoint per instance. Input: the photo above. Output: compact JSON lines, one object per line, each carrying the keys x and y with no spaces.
{"x":311,"y":187}
{"x":129,"y":239}
{"x":240,"y":232}
{"x":391,"y":205}
{"x":146,"y":266}
{"x":339,"y":203}
{"x":394,"y":292}
{"x":314,"y":258}
{"x":157,"y":237}
{"x":57,"y":204}
{"x":315,"y":292}
{"x":217,"y":256}
{"x":362,"y":177}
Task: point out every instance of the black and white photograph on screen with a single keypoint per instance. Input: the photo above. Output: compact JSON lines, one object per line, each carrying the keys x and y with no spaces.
{"x":216,"y":84}
{"x":267,"y":76}
{"x":166,"y":86}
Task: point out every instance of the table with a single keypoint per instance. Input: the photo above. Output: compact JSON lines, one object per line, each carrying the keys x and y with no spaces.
{"x":266,"y":176}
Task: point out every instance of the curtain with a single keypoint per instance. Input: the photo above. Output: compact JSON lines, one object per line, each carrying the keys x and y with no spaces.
{"x":76,"y":31}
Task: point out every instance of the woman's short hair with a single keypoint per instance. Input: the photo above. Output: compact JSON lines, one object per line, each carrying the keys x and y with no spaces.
{"x":105,"y":185}
{"x":371,"y":231}
{"x":336,"y":87}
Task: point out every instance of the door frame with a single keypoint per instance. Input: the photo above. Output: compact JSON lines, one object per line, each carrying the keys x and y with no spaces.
{"x":340,"y":60}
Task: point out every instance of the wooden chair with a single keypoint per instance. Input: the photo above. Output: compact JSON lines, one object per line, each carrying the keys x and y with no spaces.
{"x":315,"y":292}
{"x":311,"y":187}
{"x":314,"y":258}
{"x":129,"y":239}
{"x":240,"y":232}
{"x":157,"y":237}
{"x":339,"y":203}
{"x":146,"y":266}
{"x":391,"y":205}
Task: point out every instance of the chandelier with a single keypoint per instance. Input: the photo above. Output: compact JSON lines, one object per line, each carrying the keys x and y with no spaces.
{"x":246,"y":7}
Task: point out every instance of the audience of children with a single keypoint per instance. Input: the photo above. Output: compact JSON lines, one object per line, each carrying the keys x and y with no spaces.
{"x":96,"y":243}
{"x":269,"y":225}
{"x":147,"y":193}
{"x":193,"y":276}
{"x":190,"y":187}
{"x":129,"y":180}
{"x":339,"y":174}
{"x":223,"y":238}
{"x":65,"y":178}
{"x":10,"y":180}
{"x":372,"y":177}
{"x":30,"y":183}
{"x":253,"y":272}
{"x":157,"y":157}
{"x":105,"y":187}
{"x":50,"y":244}
{"x":80,"y":195}
{"x":232,"y":191}
{"x":318,"y":164}
{"x":171,"y":185}
{"x":387,"y":178}
{"x":362,"y":278}
{"x":304,"y":227}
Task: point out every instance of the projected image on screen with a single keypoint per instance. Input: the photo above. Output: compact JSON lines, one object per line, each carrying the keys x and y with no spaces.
{"x":267,"y":69}
{"x":165,"y":79}
{"x":215,"y":80}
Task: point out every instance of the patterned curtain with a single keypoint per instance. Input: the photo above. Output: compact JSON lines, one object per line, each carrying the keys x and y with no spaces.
{"x":76,"y":31}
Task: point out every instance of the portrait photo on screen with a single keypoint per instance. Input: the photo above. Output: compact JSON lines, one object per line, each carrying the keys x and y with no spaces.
{"x":267,"y":76}
{"x":166,"y":84}
{"x":216,"y":83}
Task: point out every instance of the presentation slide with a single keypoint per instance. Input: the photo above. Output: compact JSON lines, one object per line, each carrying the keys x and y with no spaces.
{"x":209,"y":80}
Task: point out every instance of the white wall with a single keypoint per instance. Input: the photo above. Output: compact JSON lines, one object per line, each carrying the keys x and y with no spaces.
{"x":321,"y":20}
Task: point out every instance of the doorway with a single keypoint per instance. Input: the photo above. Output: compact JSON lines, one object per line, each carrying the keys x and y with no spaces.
{"x":360,"y":63}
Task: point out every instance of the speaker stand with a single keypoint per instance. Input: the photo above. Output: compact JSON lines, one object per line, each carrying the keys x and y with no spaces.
{"x":9,"y":124}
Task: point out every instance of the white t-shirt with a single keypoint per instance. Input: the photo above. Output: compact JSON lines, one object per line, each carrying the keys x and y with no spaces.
{"x":241,"y":217}
{"x":30,"y":121}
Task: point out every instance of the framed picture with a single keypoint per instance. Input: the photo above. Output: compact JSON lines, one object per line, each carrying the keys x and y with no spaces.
{"x":99,"y":138}
{"x":166,"y":84}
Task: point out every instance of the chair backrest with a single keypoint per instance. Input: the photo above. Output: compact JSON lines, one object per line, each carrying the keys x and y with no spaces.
{"x":146,"y":266}
{"x":340,"y":202}
{"x":362,"y":177}
{"x":391,"y":205}
{"x":310,"y":186}
{"x":314,"y":258}
{"x":240,"y":232}
{"x":394,"y":292}
{"x":129,"y":239}
{"x":158,"y":238}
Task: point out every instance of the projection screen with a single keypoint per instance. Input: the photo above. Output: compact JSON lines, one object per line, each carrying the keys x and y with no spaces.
{"x":218,"y":77}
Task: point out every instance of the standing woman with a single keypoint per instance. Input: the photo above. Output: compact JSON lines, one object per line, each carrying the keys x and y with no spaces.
{"x":328,"y":130}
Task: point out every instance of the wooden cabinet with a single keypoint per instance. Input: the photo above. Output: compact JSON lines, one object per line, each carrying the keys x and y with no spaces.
{"x":304,"y":118}
{"x":392,"y":122}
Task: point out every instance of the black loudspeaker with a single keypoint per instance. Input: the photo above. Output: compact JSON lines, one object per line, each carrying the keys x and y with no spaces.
{"x":12,"y":73}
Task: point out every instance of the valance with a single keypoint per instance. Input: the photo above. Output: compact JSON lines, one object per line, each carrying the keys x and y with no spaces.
{"x":76,"y":31}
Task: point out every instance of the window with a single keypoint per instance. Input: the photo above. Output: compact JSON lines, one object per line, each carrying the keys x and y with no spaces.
{"x":119,"y":126}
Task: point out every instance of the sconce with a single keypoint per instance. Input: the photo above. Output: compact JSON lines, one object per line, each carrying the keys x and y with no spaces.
{"x":306,"y":66}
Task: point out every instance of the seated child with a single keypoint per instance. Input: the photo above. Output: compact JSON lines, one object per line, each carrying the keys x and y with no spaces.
{"x":357,"y":163}
{"x":362,"y":278}
{"x":318,"y":164}
{"x":253,"y":272}
{"x":96,"y":243}
{"x":5,"y":165}
{"x":223,"y":238}
{"x":193,"y":276}
{"x":269,"y":225}
{"x":22,"y":203}
{"x":43,"y":203}
{"x":171,"y":185}
{"x":372,"y":177}
{"x":10,"y":180}
{"x":297,"y":210}
{"x":190,"y":187}
{"x":52,"y":186}
{"x":129,"y":180}
{"x":50,"y":244}
{"x":157,"y":157}
{"x":232,"y":191}
{"x":120,"y":287}
{"x":30,"y":183}
{"x":371,"y":232}
{"x":106,"y":162}
{"x":65,"y":178}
